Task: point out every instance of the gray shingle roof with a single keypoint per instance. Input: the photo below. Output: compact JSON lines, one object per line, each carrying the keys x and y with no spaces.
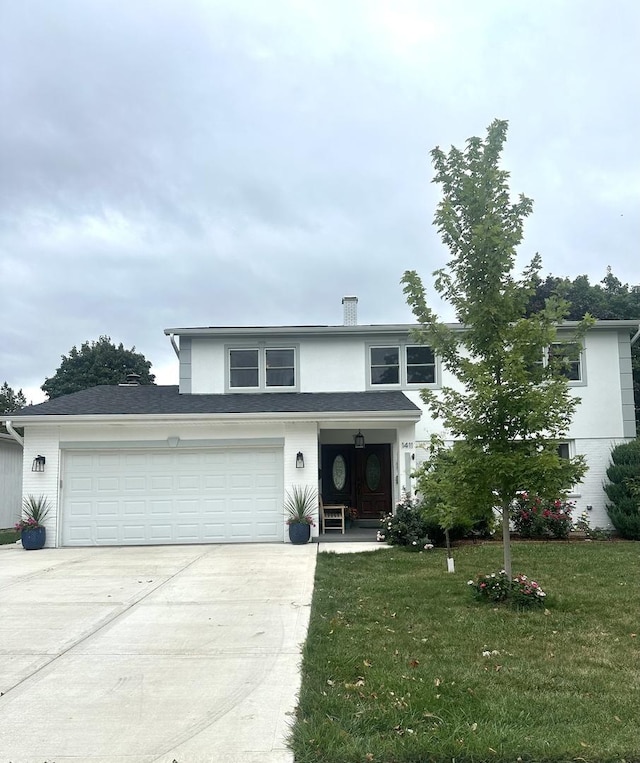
{"x":152,"y":399}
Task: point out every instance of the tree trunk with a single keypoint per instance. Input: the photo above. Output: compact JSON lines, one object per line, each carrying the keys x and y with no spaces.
{"x":506,"y":538}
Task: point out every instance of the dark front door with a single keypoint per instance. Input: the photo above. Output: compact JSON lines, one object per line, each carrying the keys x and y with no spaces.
{"x":358,"y":477}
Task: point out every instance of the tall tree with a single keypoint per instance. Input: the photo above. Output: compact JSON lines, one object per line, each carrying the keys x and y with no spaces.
{"x":99,"y":362}
{"x":10,"y":400}
{"x":510,"y":409}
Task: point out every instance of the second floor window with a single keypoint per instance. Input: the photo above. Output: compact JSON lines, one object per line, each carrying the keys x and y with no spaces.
{"x":565,"y":356}
{"x":280,"y":369}
{"x":402,"y":364}
{"x":385,"y":365}
{"x":421,"y":365}
{"x":255,"y":368}
{"x":243,"y":368}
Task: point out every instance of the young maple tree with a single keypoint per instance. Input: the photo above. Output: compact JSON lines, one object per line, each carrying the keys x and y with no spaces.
{"x":509,"y":408}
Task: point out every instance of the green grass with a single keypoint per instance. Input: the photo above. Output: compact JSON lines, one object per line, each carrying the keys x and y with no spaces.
{"x":393,"y":670}
{"x":8,"y":536}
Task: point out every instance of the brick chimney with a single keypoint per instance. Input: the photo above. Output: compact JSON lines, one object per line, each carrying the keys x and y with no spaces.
{"x":350,"y":311}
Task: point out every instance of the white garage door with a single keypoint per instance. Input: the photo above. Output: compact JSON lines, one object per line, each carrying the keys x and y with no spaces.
{"x":117,"y":498}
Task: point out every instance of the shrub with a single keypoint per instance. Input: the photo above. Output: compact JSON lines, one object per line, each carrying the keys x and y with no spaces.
{"x":623,"y":489}
{"x":535,"y":517}
{"x":407,"y":526}
{"x":519,"y":592}
{"x":591,"y":533}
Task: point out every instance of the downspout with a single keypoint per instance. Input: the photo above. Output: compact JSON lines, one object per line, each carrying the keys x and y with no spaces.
{"x":634,"y":338}
{"x":177,"y":351}
{"x":15,"y":435}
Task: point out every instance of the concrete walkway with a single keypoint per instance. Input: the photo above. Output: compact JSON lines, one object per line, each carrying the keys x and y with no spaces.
{"x":156,"y":654}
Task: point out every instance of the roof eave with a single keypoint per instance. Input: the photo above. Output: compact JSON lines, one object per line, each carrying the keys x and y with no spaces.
{"x":403,"y":415}
{"x":358,"y":330}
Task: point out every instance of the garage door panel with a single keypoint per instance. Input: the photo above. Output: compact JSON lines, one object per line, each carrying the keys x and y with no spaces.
{"x":177,"y":496}
{"x":103,"y":533}
{"x":104,"y":508}
{"x":161,"y":533}
{"x":160,"y":508}
{"x":161,"y":483}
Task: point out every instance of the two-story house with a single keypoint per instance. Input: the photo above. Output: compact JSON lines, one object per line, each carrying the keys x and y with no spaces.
{"x":260,"y":409}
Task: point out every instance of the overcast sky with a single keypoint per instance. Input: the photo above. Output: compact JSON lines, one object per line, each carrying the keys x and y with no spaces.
{"x":172,"y":163}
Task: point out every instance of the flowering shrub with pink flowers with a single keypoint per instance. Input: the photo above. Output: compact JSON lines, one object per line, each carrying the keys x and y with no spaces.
{"x":535,"y":517}
{"x":519,"y":592}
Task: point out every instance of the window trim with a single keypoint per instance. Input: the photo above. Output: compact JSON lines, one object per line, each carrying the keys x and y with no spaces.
{"x":262,"y":348}
{"x":580,"y":382}
{"x":402,"y":345}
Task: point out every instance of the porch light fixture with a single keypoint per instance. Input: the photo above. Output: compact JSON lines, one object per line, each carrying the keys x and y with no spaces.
{"x":358,"y":440}
{"x":299,"y":460}
{"x":38,"y":464}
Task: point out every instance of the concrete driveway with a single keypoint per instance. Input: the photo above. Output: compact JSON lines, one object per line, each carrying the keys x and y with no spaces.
{"x":173,"y":653}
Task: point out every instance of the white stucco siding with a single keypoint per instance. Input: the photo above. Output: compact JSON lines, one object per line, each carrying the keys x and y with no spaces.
{"x":207,"y":366}
{"x":327,"y":365}
{"x":599,"y":414}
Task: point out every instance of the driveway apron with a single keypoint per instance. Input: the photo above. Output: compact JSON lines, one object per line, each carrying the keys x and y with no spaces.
{"x":152,"y":654}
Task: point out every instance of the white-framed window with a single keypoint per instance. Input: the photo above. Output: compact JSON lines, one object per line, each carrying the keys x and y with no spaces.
{"x":280,"y":367}
{"x":401,"y":365}
{"x":421,"y":364}
{"x":566,"y":357}
{"x":385,"y":365}
{"x":261,"y":368}
{"x":244,"y":370}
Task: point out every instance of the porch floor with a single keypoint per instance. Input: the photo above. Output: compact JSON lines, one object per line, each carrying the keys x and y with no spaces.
{"x":351,"y":535}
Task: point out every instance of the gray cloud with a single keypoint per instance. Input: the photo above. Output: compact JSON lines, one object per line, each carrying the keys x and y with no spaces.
{"x":211,"y":163}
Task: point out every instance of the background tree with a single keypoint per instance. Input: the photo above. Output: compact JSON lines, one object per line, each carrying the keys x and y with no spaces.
{"x":99,"y":362}
{"x":10,"y":401}
{"x":510,"y":409}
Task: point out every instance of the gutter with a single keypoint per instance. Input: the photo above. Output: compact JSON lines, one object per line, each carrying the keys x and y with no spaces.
{"x":174,"y":345}
{"x":13,"y":433}
{"x":205,"y":418}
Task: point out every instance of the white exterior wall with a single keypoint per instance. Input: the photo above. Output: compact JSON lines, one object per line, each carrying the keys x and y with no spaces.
{"x":302,"y":438}
{"x":331,"y":365}
{"x":47,"y":441}
{"x":43,"y":441}
{"x":600,"y":411}
{"x":207,"y":366}
{"x":10,"y":481}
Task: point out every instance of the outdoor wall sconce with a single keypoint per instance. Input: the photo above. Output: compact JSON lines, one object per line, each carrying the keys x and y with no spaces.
{"x":299,"y":460}
{"x":38,"y":464}
{"x":358,"y":440}
{"x":589,"y":507}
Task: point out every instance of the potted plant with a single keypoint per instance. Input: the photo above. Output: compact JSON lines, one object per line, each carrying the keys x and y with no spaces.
{"x":350,"y":516}
{"x":33,"y":533}
{"x":299,"y":506}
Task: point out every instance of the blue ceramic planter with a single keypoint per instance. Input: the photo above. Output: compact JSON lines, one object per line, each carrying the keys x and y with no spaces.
{"x":299,"y":533}
{"x":33,"y":539}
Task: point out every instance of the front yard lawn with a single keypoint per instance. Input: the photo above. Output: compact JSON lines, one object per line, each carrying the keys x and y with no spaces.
{"x":401,"y":665}
{"x":8,"y":536}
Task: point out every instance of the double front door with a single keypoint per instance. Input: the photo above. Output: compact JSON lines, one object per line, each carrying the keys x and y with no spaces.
{"x":358,"y":477}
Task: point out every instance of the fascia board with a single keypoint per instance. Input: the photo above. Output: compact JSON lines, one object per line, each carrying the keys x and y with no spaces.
{"x":225,"y":417}
{"x":253,"y":331}
{"x":359,"y":330}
